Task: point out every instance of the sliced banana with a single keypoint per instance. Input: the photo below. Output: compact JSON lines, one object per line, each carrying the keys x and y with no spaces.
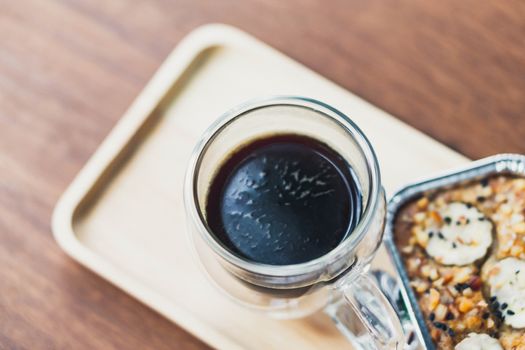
{"x":462,"y":237}
{"x":475,"y":341}
{"x":506,"y":279}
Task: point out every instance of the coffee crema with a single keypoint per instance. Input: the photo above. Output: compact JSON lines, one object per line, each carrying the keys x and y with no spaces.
{"x":283,"y":199}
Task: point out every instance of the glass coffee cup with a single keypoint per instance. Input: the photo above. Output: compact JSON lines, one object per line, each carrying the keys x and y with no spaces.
{"x":337,"y":281}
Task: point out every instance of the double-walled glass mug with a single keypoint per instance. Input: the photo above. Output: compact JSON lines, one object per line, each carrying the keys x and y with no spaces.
{"x":337,"y":281}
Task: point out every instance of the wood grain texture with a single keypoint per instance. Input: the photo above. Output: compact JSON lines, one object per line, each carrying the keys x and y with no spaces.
{"x":69,"y":69}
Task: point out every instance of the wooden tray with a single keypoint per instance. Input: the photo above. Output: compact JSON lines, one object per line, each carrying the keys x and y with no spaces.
{"x":123,"y":215}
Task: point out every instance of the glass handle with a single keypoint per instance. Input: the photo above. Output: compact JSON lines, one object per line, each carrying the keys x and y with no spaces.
{"x":362,"y":297}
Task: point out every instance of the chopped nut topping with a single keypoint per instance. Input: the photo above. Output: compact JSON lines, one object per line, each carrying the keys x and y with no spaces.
{"x":452,"y":297}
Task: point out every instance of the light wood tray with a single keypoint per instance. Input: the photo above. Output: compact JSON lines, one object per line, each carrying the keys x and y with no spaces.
{"x":123,"y":215}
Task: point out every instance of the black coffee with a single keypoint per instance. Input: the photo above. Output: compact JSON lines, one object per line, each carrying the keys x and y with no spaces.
{"x":283,"y":199}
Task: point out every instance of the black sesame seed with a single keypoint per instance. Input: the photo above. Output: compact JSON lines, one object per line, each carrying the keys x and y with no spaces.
{"x":517,"y":271}
{"x":458,"y":223}
{"x":440,"y":235}
{"x":432,"y":316}
{"x":485,"y":315}
{"x":504,"y":306}
{"x":498,"y":314}
{"x":467,"y":221}
{"x":448,"y":220}
{"x":469,"y":205}
{"x":430,"y":234}
{"x":411,"y":338}
{"x":449,"y":316}
{"x":492,"y":299}
{"x":482,"y":218}
{"x":484,"y":182}
{"x":495,"y":305}
{"x":461,"y":286}
{"x":510,"y":312}
{"x":454,"y":245}
{"x":440,"y":325}
{"x":480,"y":199}
{"x":451,"y":332}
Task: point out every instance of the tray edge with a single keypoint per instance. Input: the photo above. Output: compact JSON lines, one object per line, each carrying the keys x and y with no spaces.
{"x":178,"y":61}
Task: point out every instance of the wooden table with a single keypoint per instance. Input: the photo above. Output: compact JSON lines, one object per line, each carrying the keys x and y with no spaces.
{"x":69,"y":69}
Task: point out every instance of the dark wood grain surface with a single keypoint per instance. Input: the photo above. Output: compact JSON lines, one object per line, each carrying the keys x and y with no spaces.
{"x":69,"y":69}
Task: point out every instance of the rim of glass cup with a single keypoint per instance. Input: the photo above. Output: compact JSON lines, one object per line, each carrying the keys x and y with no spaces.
{"x":197,"y":216}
